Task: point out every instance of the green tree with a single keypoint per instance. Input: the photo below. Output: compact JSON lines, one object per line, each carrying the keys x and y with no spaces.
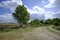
{"x":41,"y":21}
{"x":56,"y":21}
{"x":36,"y":22}
{"x":21,"y":15}
{"x":48,"y":21}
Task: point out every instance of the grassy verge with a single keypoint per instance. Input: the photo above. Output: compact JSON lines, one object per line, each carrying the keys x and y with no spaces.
{"x":14,"y":34}
{"x":53,"y":31}
{"x":56,"y":27}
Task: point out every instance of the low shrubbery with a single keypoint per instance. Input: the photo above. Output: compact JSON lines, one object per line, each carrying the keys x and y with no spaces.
{"x":55,"y":21}
{"x":56,"y":27}
{"x":7,"y":27}
{"x":36,"y":23}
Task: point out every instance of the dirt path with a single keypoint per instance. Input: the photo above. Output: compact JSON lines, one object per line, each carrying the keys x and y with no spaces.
{"x":40,"y":33}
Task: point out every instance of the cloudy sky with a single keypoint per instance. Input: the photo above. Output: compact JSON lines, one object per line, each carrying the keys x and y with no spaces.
{"x":48,"y":8}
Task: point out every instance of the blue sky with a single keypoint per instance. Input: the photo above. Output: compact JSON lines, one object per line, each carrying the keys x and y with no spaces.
{"x":48,"y":8}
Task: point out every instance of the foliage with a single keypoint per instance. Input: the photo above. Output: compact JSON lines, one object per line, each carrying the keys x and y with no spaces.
{"x":8,"y":27}
{"x":48,"y":21}
{"x":56,"y":21}
{"x":56,"y":27}
{"x":36,"y":22}
{"x":41,"y":21}
{"x":21,"y":14}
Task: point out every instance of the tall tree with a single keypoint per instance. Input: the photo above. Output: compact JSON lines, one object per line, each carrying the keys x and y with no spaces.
{"x":21,"y":15}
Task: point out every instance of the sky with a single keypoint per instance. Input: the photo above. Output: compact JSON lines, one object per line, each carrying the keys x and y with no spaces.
{"x":46,"y":9}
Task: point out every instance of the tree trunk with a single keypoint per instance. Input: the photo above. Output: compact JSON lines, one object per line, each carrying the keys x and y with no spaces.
{"x":21,"y":25}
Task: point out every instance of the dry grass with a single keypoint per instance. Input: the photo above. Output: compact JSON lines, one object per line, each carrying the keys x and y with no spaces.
{"x":57,"y":28}
{"x":8,"y":25}
{"x":14,"y":34}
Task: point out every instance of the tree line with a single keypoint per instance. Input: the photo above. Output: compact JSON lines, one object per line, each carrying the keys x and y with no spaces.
{"x":54,"y":21}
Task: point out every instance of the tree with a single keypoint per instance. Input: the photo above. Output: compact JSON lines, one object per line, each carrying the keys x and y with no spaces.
{"x":41,"y":21}
{"x":36,"y":22}
{"x":21,"y":15}
{"x":56,"y":21}
{"x":48,"y":21}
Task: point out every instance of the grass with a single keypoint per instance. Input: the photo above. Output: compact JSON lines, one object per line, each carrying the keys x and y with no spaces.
{"x":15,"y":33}
{"x":8,"y":27}
{"x":57,"y":28}
{"x":54,"y":32}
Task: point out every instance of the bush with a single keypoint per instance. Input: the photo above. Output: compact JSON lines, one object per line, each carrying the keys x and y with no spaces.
{"x":6,"y":28}
{"x":56,"y":24}
{"x":2,"y":28}
{"x":56,"y":27}
{"x":14,"y":27}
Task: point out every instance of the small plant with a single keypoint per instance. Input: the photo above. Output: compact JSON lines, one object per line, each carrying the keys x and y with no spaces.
{"x":7,"y":29}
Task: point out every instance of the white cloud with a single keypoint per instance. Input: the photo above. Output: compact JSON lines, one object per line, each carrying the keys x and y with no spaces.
{"x":11,"y":4}
{"x":35,"y":10}
{"x":51,"y":4}
{"x":43,"y":2}
{"x":57,"y":14}
{"x":49,"y":15}
{"x":39,"y":10}
{"x":18,"y":1}
{"x":31,"y":11}
{"x":7,"y":18}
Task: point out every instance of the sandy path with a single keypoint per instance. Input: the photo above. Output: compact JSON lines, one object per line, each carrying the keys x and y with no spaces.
{"x":40,"y":33}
